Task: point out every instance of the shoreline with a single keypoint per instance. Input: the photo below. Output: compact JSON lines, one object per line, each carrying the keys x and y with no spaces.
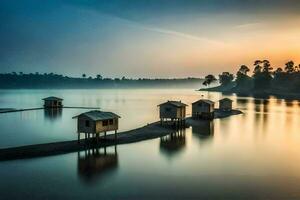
{"x":262,"y":94}
{"x":147,"y":132}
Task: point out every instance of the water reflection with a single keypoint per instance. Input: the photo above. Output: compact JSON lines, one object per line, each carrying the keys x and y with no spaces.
{"x":204,"y":130}
{"x":96,"y":163}
{"x":173,"y":143}
{"x":52,"y":113}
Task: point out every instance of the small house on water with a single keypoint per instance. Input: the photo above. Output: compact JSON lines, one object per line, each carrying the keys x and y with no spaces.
{"x":203,"y":108}
{"x":173,"y":110}
{"x":225,"y":104}
{"x":53,"y":102}
{"x":95,"y":122}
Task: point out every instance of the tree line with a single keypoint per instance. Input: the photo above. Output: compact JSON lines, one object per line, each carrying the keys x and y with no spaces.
{"x":264,"y":77}
{"x":52,"y":80}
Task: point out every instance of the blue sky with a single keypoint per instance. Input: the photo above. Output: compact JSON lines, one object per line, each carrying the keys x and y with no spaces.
{"x":157,"y":38}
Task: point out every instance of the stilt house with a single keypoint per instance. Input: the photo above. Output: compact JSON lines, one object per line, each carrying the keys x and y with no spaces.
{"x":95,"y":122}
{"x":173,"y":110}
{"x":203,"y":109}
{"x":53,"y":102}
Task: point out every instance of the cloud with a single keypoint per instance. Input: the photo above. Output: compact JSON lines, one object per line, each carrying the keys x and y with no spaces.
{"x":249,"y":25}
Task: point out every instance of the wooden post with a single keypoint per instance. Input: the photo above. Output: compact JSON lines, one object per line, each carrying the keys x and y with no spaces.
{"x":97,"y":137}
{"x":115,"y":134}
{"x":105,"y":134}
{"x":78,"y":137}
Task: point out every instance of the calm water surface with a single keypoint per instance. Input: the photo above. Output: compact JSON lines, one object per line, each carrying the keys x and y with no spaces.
{"x":254,"y":155}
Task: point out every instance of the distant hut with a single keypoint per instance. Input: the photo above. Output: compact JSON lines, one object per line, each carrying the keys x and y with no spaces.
{"x":95,"y":122}
{"x":203,"y":108}
{"x":172,"y":110}
{"x":53,"y":102}
{"x":225,"y":104}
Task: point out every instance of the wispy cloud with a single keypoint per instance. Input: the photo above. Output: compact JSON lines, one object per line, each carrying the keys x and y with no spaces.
{"x":249,"y":25}
{"x":165,"y":31}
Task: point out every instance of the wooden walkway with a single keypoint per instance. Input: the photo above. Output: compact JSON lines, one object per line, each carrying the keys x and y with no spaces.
{"x":9,"y":110}
{"x":151,"y":131}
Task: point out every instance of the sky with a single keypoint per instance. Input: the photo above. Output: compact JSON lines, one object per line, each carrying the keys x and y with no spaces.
{"x":146,"y":38}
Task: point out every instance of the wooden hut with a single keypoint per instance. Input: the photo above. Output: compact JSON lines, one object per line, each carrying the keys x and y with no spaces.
{"x":225,"y":104}
{"x":172,"y":110}
{"x":95,"y":122}
{"x":203,"y":108}
{"x":53,"y":102}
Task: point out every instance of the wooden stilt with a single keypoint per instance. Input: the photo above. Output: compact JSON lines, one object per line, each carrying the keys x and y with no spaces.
{"x":78,"y":137}
{"x":115,"y":134}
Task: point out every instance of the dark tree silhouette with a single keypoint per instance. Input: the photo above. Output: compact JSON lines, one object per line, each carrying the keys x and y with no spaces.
{"x":225,"y":78}
{"x":209,"y":79}
{"x":242,"y":79}
{"x":99,"y":77}
{"x":83,"y":75}
{"x":289,"y":67}
{"x":266,"y":66}
{"x":244,"y":69}
{"x":257,"y":67}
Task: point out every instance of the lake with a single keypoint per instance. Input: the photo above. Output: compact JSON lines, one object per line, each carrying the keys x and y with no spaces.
{"x":251,"y":156}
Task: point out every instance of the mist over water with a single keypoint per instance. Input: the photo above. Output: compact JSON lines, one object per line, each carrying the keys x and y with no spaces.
{"x":254,"y":155}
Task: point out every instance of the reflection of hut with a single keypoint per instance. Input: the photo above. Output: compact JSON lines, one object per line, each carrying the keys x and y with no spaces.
{"x":53,"y":102}
{"x":173,"y":110}
{"x":93,"y":163}
{"x":53,"y":113}
{"x":225,"y":104}
{"x":95,"y":122}
{"x":203,"y":108}
{"x":174,"y":142}
{"x":203,"y":130}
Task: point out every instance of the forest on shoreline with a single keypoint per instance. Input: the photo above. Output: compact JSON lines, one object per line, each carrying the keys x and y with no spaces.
{"x":264,"y":79}
{"x":57,"y":81}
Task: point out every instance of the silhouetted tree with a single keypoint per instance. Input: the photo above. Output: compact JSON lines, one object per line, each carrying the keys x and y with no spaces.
{"x":262,"y":74}
{"x":244,"y":69}
{"x":289,"y":67}
{"x":266,"y":66}
{"x":209,"y":79}
{"x":225,"y":78}
{"x":257,"y":67}
{"x":99,"y":77}
{"x":83,"y":75}
{"x":242,"y":79}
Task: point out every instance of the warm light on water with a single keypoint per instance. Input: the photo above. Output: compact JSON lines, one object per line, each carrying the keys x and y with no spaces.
{"x":249,"y":156}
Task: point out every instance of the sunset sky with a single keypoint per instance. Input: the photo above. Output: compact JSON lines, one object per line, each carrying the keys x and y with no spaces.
{"x":142,"y":38}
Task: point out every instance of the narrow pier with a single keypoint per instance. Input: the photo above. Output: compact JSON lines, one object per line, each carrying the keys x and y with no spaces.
{"x":150,"y":131}
{"x":9,"y":110}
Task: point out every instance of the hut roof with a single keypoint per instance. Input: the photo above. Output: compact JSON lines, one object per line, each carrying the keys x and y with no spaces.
{"x":225,"y":99}
{"x":205,"y":101}
{"x":178,"y":104}
{"x":52,"y":98}
{"x":98,"y":115}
